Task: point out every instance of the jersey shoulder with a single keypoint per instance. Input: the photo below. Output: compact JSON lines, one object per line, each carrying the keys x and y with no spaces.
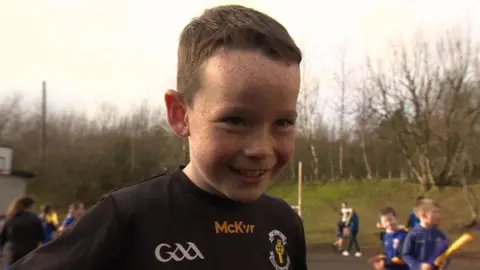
{"x":144,"y":185}
{"x":277,"y":207}
{"x":414,"y":232}
{"x":143,"y":194}
{"x":440,"y":233}
{"x":401,"y":233}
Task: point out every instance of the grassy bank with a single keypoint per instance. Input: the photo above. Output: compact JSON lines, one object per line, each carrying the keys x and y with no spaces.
{"x":321,"y":205}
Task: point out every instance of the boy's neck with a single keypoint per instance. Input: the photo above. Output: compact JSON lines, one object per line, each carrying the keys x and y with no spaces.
{"x":393,"y":229}
{"x":426,"y":225}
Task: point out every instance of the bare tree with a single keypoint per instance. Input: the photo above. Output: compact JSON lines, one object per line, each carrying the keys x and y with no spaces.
{"x":342,"y":78}
{"x":10,"y":109}
{"x":424,"y":95}
{"x":310,"y":121}
{"x":363,"y":119}
{"x":331,"y":138}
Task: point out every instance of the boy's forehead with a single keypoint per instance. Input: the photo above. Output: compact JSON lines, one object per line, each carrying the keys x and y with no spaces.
{"x":249,"y":69}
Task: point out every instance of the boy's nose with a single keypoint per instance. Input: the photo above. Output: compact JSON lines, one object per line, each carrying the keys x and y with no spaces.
{"x":259,"y":145}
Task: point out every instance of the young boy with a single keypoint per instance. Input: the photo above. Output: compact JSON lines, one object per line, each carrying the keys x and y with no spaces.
{"x":382,"y":231}
{"x":238,"y":80}
{"x":353,"y":228}
{"x":338,"y":244}
{"x":392,"y":242}
{"x":76,"y":211}
{"x":49,"y":219}
{"x":422,"y":242}
{"x":345,"y":212}
{"x":413,"y":220}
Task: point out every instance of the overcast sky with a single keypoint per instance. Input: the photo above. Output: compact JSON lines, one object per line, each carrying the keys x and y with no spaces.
{"x":124,"y":51}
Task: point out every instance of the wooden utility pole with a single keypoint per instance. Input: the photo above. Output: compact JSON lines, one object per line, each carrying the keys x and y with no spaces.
{"x":43,"y":138}
{"x":300,"y":180}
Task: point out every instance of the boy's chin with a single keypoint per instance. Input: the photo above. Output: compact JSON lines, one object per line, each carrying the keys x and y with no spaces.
{"x":244,"y":197}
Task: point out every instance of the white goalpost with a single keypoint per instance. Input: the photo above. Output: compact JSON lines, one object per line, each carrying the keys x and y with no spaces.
{"x":298,"y":207}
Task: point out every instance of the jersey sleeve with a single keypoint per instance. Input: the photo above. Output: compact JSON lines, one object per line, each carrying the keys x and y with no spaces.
{"x":408,"y":251}
{"x":55,"y":219}
{"x":300,"y":262}
{"x":93,"y":244}
{"x":3,"y":237}
{"x":40,"y":232}
{"x":68,"y":221}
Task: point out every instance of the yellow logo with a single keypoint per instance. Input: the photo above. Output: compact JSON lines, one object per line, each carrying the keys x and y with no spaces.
{"x":237,"y":227}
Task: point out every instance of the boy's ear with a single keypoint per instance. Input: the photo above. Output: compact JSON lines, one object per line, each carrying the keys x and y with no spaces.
{"x":176,"y":113}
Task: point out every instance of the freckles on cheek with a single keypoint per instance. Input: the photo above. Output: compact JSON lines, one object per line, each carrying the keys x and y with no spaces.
{"x":222,"y":153}
{"x":219,"y":151}
{"x":286,"y":149}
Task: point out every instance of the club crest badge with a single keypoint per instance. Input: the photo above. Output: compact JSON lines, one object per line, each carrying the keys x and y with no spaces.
{"x":278,"y":250}
{"x":396,"y":243}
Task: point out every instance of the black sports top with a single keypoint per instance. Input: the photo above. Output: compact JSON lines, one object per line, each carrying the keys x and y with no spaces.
{"x":169,"y":223}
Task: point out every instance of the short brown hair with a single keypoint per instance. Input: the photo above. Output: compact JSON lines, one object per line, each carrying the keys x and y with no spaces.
{"x":75,"y":206}
{"x":419,"y":199}
{"x":387,"y":210}
{"x":230,"y":27}
{"x":426,"y":205}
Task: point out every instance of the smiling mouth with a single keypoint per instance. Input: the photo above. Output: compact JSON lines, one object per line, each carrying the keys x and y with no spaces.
{"x":249,"y":173}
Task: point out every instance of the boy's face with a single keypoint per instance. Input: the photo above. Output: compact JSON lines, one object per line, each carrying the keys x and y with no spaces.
{"x":389,"y":221}
{"x":431,"y":217}
{"x":81,"y":210}
{"x":241,"y":126}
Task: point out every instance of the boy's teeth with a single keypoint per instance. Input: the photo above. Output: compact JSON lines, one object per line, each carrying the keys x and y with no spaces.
{"x":251,"y":173}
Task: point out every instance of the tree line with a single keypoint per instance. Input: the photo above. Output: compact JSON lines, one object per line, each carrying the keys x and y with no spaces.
{"x":413,"y":114}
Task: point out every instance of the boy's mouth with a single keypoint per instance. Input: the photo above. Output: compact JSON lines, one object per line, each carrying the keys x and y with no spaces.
{"x":251,"y":174}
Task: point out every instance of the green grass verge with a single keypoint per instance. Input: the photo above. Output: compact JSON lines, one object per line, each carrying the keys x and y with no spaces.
{"x":321,"y":205}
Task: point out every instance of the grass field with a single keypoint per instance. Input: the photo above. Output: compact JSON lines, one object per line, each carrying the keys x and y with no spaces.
{"x":321,"y":205}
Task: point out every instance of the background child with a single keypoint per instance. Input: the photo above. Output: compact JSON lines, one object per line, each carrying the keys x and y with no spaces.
{"x":345,"y":212}
{"x":50,"y":222}
{"x":413,"y":220}
{"x":421,"y":242}
{"x":393,"y":242}
{"x":382,"y":231}
{"x":338,"y":244}
{"x":75,"y":211}
{"x":353,"y":228}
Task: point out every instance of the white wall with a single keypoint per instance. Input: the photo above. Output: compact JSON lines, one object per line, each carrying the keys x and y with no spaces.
{"x":10,"y":188}
{"x":6,"y":156}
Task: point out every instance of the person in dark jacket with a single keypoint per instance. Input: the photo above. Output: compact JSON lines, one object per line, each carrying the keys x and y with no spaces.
{"x":22,"y":231}
{"x":353,"y":228}
{"x":2,"y":222}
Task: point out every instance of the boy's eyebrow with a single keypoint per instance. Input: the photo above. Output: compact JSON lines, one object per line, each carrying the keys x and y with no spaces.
{"x":247,"y":109}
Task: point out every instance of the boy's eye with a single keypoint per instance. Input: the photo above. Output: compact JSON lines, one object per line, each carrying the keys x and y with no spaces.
{"x":285,"y":122}
{"x":234,"y":120}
